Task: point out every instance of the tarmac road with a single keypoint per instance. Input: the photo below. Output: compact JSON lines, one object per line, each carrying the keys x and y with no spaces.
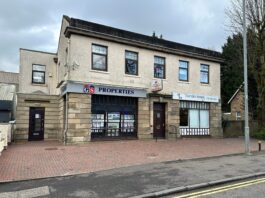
{"x":243,"y":189}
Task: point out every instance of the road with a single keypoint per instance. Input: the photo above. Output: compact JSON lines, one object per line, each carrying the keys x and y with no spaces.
{"x":243,"y":189}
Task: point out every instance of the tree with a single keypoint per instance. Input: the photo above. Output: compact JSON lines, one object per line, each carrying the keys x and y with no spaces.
{"x":255,"y":16}
{"x":232,"y":73}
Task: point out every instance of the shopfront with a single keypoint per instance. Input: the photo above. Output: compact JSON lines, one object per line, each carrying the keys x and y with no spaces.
{"x":113,"y":110}
{"x":194,"y":113}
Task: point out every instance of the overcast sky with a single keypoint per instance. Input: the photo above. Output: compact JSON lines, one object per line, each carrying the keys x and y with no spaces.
{"x":35,"y":24}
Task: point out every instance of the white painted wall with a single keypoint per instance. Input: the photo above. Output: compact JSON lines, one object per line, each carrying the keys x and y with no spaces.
{"x":81,"y":52}
{"x":27,"y":58}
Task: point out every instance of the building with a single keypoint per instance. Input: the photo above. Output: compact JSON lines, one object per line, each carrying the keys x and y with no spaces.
{"x":8,"y":88}
{"x":108,"y":83}
{"x":237,"y":105}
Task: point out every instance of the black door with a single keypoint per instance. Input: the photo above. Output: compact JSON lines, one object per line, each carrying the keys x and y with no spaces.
{"x":159,"y":120}
{"x":36,"y":123}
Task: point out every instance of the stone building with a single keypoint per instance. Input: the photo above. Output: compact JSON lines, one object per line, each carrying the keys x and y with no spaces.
{"x":237,"y":105}
{"x":108,"y":83}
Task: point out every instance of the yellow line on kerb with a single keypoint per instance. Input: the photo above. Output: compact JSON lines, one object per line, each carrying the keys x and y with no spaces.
{"x":222,"y":189}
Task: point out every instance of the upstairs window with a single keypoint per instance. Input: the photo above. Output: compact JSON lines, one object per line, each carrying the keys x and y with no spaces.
{"x":99,"y":57}
{"x":204,"y":73}
{"x":183,"y":71}
{"x":159,"y":67}
{"x":131,"y":63}
{"x":38,"y":74}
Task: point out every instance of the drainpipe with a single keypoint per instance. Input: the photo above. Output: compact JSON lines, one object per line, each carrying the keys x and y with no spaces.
{"x":66,"y":118}
{"x":66,"y":95}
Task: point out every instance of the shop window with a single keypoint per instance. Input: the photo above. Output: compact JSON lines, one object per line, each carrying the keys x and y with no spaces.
{"x":204,"y":73}
{"x":183,"y":71}
{"x":159,"y":67}
{"x":194,"y":114}
{"x":38,"y":74}
{"x":184,"y":117}
{"x":99,"y":57}
{"x":131,"y":63}
{"x":114,"y":116}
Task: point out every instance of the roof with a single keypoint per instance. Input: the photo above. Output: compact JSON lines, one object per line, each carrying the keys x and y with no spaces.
{"x":234,"y":95}
{"x":7,"y":92}
{"x":8,"y":77}
{"x":78,"y":26}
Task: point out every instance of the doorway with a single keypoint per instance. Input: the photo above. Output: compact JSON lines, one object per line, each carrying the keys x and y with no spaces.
{"x":36,"y":123}
{"x":159,"y":120}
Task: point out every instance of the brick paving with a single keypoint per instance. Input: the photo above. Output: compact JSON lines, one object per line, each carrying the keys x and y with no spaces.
{"x":29,"y":160}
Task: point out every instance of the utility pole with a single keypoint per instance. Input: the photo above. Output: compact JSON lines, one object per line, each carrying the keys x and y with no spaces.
{"x":247,"y":150}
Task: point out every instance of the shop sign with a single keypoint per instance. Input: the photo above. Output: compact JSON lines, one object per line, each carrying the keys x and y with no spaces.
{"x":90,"y":88}
{"x":156,"y":85}
{"x":195,"y":97}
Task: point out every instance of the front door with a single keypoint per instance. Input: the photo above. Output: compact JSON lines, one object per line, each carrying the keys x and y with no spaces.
{"x":36,"y":123}
{"x":159,"y":120}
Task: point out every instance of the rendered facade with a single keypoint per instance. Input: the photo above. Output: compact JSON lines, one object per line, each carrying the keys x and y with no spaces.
{"x":107,"y":83}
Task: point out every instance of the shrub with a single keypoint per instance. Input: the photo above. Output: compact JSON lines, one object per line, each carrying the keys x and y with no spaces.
{"x":260,"y":134}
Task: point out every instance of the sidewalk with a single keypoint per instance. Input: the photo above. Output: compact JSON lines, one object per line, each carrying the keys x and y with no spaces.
{"x":48,"y":159}
{"x":143,"y":179}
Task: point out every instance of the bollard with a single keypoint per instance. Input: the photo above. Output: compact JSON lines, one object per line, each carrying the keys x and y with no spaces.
{"x":259,"y":142}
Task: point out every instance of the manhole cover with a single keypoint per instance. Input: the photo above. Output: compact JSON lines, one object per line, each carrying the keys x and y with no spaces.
{"x":51,"y":149}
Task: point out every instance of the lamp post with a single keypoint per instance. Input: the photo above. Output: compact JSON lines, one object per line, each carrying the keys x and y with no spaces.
{"x":247,"y":150}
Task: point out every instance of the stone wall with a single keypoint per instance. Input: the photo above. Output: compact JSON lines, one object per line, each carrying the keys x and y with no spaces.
{"x":216,"y":120}
{"x":79,"y":118}
{"x":145,"y":117}
{"x":51,"y":120}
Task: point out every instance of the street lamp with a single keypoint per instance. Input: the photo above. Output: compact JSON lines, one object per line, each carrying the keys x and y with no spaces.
{"x":247,"y":150}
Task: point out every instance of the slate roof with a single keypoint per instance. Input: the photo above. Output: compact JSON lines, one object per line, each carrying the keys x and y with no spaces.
{"x":7,"y":92}
{"x":8,"y":77}
{"x":124,"y":34}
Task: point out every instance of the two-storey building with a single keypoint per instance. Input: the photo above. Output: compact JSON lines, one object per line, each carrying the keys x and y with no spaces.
{"x":107,"y":83}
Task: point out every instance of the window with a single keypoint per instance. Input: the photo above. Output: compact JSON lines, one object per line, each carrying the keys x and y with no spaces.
{"x":238,"y":115}
{"x":99,"y":57}
{"x":194,"y":114}
{"x":38,"y":74}
{"x":204,"y":73}
{"x":159,"y":67}
{"x":131,"y":63}
{"x":183,"y":71}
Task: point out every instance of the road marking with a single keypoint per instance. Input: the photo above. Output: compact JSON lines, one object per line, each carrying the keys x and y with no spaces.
{"x":222,"y":189}
{"x":29,"y":193}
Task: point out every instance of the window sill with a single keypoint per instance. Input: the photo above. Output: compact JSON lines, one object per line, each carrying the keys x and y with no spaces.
{"x":205,"y":84}
{"x":164,"y":79}
{"x":132,"y":76}
{"x":184,"y":82}
{"x":99,"y":71}
{"x":41,"y":85}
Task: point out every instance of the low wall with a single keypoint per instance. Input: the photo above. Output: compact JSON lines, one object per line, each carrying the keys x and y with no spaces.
{"x":236,"y":128}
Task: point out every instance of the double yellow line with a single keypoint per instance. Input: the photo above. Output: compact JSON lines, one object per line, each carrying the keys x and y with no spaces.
{"x":222,"y":189}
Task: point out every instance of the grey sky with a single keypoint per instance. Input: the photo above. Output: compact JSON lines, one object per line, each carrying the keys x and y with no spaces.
{"x":35,"y":24}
